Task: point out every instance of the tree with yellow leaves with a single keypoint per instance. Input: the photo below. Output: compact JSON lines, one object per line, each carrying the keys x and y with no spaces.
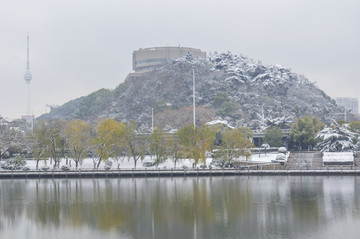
{"x":49,"y":134}
{"x":78,"y":135}
{"x":136,"y":145}
{"x":158,"y":145}
{"x":196,"y":141}
{"x":104,"y":142}
{"x":174,"y":148}
{"x":118,"y":146}
{"x":235,"y":143}
{"x":39,"y":143}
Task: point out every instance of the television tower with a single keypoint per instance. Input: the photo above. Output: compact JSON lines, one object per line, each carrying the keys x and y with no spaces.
{"x":28,"y":77}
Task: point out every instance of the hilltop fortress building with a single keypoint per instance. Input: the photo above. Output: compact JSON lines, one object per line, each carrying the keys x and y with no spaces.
{"x":148,"y":59}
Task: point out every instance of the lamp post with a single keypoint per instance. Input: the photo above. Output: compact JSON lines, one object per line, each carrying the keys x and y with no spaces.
{"x":194,"y":114}
{"x":345,"y":114}
{"x":152,"y":120}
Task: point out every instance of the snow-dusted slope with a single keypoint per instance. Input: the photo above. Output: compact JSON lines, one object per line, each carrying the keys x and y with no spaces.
{"x":255,"y":94}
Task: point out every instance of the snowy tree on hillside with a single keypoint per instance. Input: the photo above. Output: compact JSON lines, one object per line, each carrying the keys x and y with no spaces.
{"x":337,"y":138}
{"x":236,"y":87}
{"x":283,"y":122}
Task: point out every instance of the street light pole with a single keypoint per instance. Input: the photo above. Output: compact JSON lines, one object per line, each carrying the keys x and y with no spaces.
{"x":152,"y":120}
{"x":194,"y":115}
{"x":345,"y":114}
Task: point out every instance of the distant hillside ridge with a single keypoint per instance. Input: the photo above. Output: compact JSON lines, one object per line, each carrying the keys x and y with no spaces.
{"x":243,"y":91}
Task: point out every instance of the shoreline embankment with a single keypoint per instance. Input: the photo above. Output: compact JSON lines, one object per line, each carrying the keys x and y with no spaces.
{"x":171,"y":173}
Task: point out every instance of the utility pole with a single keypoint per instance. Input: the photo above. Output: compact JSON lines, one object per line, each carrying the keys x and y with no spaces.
{"x":345,"y":114}
{"x":194,"y":98}
{"x":152,"y":120}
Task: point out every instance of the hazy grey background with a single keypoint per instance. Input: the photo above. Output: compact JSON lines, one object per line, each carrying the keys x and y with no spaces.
{"x":79,"y":46}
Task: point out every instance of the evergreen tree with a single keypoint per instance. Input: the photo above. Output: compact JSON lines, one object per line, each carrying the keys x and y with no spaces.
{"x":337,"y":138}
{"x":273,"y":136}
{"x":355,"y":126}
{"x":304,"y":130}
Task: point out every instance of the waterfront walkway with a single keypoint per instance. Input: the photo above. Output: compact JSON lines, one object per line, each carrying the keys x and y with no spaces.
{"x":129,"y":173}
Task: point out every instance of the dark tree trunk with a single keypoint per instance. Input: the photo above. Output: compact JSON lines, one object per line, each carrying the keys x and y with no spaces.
{"x":98,"y":164}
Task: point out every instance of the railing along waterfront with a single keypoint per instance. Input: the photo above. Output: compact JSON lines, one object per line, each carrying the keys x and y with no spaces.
{"x":197,"y":172}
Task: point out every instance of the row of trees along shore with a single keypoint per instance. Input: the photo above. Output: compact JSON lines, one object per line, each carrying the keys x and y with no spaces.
{"x":76,"y":140}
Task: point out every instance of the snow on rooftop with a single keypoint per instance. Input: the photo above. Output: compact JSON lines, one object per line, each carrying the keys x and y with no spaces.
{"x":223,"y":122}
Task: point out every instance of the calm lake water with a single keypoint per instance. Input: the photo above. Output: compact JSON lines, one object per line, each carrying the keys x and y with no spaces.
{"x":218,"y":207}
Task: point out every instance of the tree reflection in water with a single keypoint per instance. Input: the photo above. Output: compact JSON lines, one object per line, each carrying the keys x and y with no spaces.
{"x":218,"y":207}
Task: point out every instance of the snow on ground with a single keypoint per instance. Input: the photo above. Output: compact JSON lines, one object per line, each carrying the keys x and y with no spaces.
{"x":168,"y":164}
{"x":264,"y":158}
{"x":129,"y":164}
{"x":338,"y":157}
{"x":124,"y":163}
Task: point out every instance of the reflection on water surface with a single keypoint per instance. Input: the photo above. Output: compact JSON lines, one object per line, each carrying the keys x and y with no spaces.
{"x":218,"y":207}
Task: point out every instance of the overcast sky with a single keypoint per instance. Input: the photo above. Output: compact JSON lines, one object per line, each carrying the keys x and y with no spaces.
{"x":79,"y":46}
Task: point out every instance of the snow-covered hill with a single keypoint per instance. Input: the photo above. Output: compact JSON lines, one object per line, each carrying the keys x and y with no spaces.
{"x":236,"y":88}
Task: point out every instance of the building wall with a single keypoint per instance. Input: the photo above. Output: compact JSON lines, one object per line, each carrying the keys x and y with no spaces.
{"x":350,"y":104}
{"x":150,"y":58}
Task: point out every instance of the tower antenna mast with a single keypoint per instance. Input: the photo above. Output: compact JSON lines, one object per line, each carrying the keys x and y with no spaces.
{"x":28,"y":76}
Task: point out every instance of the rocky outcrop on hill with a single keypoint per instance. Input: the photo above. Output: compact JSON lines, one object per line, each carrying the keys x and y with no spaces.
{"x":241,"y":90}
